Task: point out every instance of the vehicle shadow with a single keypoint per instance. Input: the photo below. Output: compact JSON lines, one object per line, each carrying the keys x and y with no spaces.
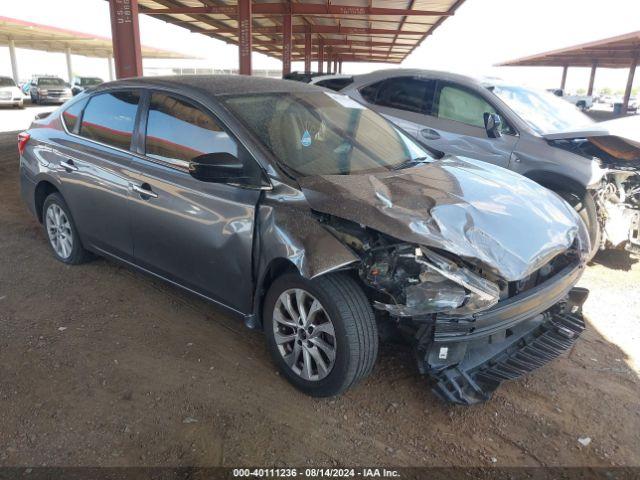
{"x":615,"y":259}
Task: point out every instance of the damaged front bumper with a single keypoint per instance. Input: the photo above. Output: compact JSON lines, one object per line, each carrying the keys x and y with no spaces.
{"x":468,"y":358}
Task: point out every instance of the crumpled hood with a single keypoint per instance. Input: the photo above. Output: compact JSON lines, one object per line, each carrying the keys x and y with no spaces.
{"x":469,"y":208}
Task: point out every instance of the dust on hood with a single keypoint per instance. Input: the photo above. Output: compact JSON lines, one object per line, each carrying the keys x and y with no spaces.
{"x":475,"y":210}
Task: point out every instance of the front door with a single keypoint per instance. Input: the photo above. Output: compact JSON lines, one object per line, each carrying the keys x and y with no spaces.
{"x":195,"y":233}
{"x":456,"y":126}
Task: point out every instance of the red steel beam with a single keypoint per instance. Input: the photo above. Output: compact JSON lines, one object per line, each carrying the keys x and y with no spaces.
{"x":320,"y":55}
{"x":296,"y":9}
{"x":244,"y":35}
{"x":338,"y":42}
{"x":327,"y":29}
{"x":125,"y":34}
{"x":286,"y":44}
{"x":307,"y":52}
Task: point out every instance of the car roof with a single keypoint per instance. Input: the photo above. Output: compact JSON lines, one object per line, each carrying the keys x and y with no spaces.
{"x":417,"y":72}
{"x":217,"y":84}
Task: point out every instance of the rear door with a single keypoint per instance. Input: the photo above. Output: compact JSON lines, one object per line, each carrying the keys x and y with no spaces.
{"x":195,"y":233}
{"x":92,"y":166}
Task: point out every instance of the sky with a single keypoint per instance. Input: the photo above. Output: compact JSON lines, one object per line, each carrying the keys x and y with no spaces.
{"x":481,"y":34}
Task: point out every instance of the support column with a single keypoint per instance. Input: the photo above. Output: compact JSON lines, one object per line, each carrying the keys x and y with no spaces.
{"x":329,"y":62}
{"x":627,"y":92}
{"x":245,"y":26}
{"x":321,"y":56}
{"x":563,"y":83}
{"x":69,"y":65}
{"x":339,"y":66}
{"x":110,"y":62}
{"x":14,"y":60}
{"x":335,"y":64}
{"x":592,"y":78}
{"x":286,"y":44}
{"x":125,"y":35}
{"x":307,"y":50}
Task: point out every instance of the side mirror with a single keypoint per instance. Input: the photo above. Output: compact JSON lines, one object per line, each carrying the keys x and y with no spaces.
{"x":219,"y":167}
{"x":492,"y":124}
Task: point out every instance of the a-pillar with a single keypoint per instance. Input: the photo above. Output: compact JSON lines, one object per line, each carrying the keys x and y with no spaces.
{"x":244,"y":34}
{"x":125,"y":35}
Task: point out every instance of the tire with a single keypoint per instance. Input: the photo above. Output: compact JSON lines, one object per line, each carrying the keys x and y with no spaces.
{"x":585,"y":205}
{"x":355,"y":339}
{"x":71,"y":252}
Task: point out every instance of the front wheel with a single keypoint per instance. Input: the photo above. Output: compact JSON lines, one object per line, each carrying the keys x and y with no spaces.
{"x":585,"y":205}
{"x":321,"y":333}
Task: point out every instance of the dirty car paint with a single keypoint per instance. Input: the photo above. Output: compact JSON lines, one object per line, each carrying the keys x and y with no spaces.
{"x":466,"y":207}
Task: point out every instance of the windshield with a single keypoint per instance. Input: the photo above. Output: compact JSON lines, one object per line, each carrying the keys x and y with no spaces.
{"x":7,"y":82}
{"x":51,"y":82}
{"x":543,"y":111}
{"x":324,"y":133}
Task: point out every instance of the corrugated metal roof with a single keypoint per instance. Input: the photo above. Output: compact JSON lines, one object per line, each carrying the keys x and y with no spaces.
{"x":52,"y":39}
{"x":614,"y":52}
{"x":351,"y":29}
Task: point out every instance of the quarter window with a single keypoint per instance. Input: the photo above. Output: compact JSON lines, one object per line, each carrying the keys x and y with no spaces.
{"x":177,"y":130}
{"x":71,"y":115}
{"x":110,"y":118}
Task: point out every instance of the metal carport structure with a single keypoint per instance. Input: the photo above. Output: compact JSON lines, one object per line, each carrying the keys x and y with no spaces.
{"x":622,"y":51}
{"x":16,"y":33}
{"x":316,"y":30}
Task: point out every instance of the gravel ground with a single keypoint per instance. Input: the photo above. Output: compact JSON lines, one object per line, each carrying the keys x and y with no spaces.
{"x":103,"y":366}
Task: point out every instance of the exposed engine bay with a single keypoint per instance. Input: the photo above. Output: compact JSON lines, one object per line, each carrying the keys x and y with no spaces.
{"x":618,"y":194}
{"x":450,"y":310}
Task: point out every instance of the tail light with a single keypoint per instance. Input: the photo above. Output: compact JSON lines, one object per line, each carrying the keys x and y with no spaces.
{"x":23,"y":138}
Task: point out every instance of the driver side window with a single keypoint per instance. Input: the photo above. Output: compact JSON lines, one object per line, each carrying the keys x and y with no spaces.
{"x":461,"y":105}
{"x":179,"y":131}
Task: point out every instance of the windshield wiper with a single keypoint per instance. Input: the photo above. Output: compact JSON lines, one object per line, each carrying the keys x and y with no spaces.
{"x":409,"y":163}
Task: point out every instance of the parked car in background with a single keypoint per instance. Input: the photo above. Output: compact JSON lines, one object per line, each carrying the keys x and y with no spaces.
{"x":49,"y":90}
{"x":529,"y":131}
{"x":303,"y":212}
{"x":10,"y":94}
{"x":583,"y":102}
{"x":332,"y":82}
{"x":80,"y":84}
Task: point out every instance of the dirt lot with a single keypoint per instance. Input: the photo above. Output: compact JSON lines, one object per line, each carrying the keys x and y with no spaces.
{"x":100,"y":365}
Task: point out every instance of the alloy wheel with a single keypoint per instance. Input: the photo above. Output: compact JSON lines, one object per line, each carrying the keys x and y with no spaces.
{"x":304,"y":334}
{"x":59,"y":230}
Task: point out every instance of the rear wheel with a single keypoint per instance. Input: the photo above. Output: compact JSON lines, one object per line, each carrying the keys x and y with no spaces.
{"x":585,"y":205}
{"x":321,"y":333}
{"x":61,"y":231}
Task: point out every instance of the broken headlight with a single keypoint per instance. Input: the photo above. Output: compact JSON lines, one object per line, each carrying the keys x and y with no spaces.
{"x":442,"y":286}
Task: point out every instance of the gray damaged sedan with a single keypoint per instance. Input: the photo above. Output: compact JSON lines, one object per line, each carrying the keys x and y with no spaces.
{"x":312,"y":217}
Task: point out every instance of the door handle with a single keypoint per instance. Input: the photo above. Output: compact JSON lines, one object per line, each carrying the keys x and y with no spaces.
{"x":144,"y":190}
{"x":430,"y":134}
{"x":68,"y":165}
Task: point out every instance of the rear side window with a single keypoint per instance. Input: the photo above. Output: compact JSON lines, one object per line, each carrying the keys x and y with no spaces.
{"x":407,"y":93}
{"x":178,"y":130}
{"x":335,"y":83}
{"x":110,"y":118}
{"x":71,"y":116}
